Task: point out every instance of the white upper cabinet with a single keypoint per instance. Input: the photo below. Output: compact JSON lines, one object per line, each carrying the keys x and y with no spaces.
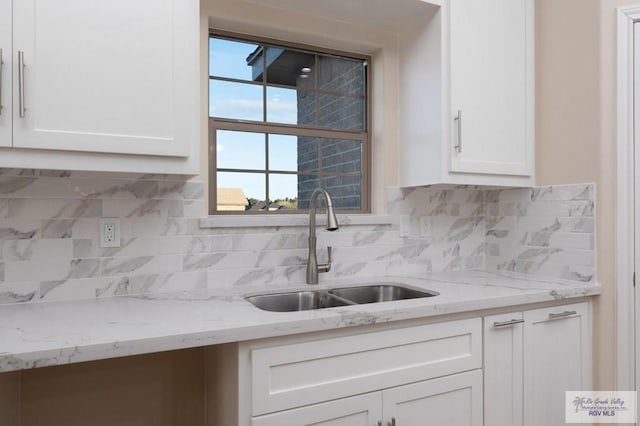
{"x":102,"y":85}
{"x":5,"y":73}
{"x":105,"y":76}
{"x":467,"y":94}
{"x":491,"y":54}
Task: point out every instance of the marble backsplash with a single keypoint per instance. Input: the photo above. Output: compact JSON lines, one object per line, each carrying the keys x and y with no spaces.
{"x":49,"y":250}
{"x":546,"y":231}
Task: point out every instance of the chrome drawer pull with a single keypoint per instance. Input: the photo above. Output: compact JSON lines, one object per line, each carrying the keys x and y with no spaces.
{"x":562,"y":314}
{"x":458,"y":120}
{"x":508,"y":323}
{"x":21,"y":108}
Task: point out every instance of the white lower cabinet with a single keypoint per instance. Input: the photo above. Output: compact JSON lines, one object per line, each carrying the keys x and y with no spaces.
{"x":418,"y":374}
{"x":362,"y":410}
{"x":451,"y":400}
{"x":511,"y":369}
{"x":557,"y":348}
{"x":530,"y":359}
{"x":503,"y":363}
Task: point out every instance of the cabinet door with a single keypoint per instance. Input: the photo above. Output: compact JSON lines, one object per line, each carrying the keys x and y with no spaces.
{"x":503,"y":370}
{"x":117,"y":76}
{"x":5,"y":73}
{"x":557,"y":358}
{"x":362,"y":410}
{"x":492,"y":68}
{"x":452,"y":400}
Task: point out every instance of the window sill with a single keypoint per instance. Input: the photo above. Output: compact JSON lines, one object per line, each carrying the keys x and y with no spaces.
{"x":289,"y":220}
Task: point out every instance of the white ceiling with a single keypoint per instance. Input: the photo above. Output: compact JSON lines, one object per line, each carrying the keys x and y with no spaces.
{"x":386,"y":15}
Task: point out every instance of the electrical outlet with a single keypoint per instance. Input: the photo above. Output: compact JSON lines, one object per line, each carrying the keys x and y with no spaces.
{"x":405,"y":225}
{"x":109,"y":232}
{"x":425,"y":226}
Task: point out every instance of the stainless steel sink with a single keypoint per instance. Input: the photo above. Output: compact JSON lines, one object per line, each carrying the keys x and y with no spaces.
{"x":297,"y":301}
{"x":383,"y":292}
{"x":320,"y":299}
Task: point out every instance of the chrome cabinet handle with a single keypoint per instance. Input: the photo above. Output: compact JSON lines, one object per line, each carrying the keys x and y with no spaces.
{"x":458,"y":120}
{"x":562,"y":314}
{"x":1,"y":67}
{"x":499,"y":324}
{"x":21,"y":65}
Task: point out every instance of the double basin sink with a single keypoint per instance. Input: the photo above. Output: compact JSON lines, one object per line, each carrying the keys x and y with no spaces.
{"x":331,"y":298}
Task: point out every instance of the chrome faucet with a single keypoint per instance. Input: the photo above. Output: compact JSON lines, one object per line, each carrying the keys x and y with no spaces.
{"x":332,"y":224}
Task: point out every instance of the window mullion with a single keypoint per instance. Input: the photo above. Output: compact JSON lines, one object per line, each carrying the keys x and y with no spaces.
{"x":257,"y":127}
{"x":267,"y":167}
{"x":266,"y":135}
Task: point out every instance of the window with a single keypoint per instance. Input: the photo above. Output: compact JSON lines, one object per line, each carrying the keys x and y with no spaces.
{"x":285,"y":120}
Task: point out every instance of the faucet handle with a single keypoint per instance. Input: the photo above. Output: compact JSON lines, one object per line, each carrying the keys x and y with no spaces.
{"x":326,"y":267}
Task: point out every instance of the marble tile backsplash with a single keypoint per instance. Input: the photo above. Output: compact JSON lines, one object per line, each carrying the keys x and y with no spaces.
{"x":546,"y":231}
{"x":49,"y":249}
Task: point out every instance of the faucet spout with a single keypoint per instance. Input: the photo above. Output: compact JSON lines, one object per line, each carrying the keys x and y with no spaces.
{"x":332,"y":224}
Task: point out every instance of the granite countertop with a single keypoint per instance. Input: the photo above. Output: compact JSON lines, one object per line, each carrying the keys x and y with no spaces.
{"x":56,"y":333}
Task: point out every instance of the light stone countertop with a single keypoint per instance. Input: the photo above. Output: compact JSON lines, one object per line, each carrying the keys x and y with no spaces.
{"x":56,"y":333}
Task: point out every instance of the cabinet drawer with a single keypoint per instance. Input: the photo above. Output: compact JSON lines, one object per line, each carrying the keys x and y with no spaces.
{"x":304,"y":373}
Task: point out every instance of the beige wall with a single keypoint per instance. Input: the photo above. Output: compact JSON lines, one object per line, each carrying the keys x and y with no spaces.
{"x":575,"y":141}
{"x":568,"y":91}
{"x":238,"y":16}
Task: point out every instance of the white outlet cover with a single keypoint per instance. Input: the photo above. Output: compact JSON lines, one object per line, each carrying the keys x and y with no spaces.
{"x":405,"y":225}
{"x":425,"y":226}
{"x":108,"y":238}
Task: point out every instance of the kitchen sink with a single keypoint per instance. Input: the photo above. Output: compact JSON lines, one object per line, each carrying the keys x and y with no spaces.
{"x":383,"y":292}
{"x":297,"y":301}
{"x":320,"y":299}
